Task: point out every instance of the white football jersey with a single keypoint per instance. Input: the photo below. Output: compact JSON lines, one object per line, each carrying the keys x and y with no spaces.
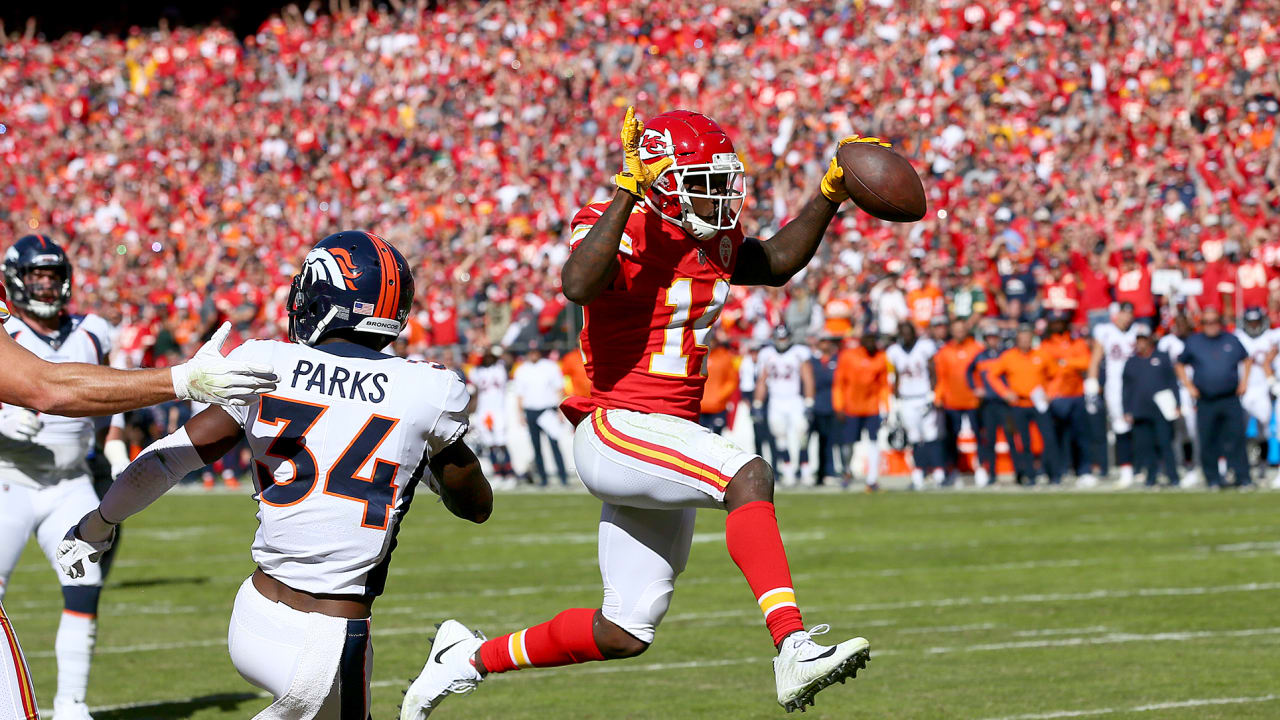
{"x":339,"y":449}
{"x":1117,"y":348}
{"x":58,"y":451}
{"x":1258,"y":348}
{"x":912,"y":368}
{"x":491,"y":387}
{"x":781,"y":371}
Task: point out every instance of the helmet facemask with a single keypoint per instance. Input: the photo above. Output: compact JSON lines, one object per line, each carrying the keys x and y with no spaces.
{"x":27,"y":286}
{"x":718,"y":188}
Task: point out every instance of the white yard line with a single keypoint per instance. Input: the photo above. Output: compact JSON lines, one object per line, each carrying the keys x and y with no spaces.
{"x":1108,"y":639}
{"x":1171,"y":705}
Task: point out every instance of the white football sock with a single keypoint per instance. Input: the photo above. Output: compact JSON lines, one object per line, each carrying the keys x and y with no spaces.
{"x":73,"y":648}
{"x":873,"y":464}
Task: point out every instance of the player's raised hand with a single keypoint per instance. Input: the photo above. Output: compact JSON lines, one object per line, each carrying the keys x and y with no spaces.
{"x":74,"y":550}
{"x":833,"y":181}
{"x":209,"y":377}
{"x":637,"y":175}
{"x":19,"y":423}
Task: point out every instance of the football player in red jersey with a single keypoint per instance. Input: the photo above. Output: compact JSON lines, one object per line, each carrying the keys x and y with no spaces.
{"x":652,"y":269}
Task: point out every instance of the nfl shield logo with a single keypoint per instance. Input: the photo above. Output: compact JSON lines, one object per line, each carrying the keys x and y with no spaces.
{"x":726,"y":251}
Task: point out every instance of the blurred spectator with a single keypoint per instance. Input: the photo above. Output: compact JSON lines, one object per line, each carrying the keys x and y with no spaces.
{"x":722,"y":385}
{"x":859,"y":388}
{"x":823,"y":366}
{"x":954,"y":396}
{"x":993,"y":409}
{"x":1019,"y":376}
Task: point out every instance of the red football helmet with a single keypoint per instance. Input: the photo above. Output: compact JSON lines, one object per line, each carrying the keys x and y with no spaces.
{"x":706,"y":167}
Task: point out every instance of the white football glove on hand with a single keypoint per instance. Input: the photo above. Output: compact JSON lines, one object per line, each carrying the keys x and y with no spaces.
{"x":209,"y":377}
{"x":117,"y":454}
{"x":74,"y":550}
{"x":19,"y":423}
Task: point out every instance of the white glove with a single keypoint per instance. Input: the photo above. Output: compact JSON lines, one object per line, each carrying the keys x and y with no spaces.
{"x":1091,"y":387}
{"x":209,"y":377}
{"x":19,"y":423}
{"x":73,"y":551}
{"x":116,"y":453}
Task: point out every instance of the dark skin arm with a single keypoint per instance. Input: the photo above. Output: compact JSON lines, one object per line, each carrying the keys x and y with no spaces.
{"x":594,"y":263}
{"x":463,"y":486}
{"x":777,"y":260}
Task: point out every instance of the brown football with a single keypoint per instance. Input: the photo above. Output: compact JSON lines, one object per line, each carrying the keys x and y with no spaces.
{"x":882,"y":182}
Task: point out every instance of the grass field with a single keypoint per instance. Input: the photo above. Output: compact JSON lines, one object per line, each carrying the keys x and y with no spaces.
{"x":977,"y":606}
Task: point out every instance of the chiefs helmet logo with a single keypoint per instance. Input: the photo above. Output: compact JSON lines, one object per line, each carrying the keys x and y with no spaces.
{"x":333,"y":265}
{"x":654,"y":144}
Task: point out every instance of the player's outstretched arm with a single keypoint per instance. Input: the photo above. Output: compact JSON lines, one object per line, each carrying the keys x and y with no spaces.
{"x":205,"y":438}
{"x":775,"y":261}
{"x":461,"y":482}
{"x":594,"y":262}
{"x":79,"y":390}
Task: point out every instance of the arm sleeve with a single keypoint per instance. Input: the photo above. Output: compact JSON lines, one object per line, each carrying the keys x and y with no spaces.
{"x":159,"y":467}
{"x":451,"y":423}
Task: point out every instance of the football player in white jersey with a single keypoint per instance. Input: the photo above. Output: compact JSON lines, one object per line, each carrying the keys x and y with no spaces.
{"x":1260,"y":341}
{"x":76,"y":389}
{"x":488,"y":385}
{"x":1172,"y":344}
{"x":339,"y":450}
{"x":43,"y":458}
{"x":785,"y":390}
{"x":913,"y":383}
{"x":1113,"y":346}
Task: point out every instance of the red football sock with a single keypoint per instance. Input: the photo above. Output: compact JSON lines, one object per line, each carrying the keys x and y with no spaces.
{"x":751,"y":532}
{"x":566,"y":639}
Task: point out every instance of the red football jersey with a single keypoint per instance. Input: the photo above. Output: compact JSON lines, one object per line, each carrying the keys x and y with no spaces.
{"x":643,"y":337}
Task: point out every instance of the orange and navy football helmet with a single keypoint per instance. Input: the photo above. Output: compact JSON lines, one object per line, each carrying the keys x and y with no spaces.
{"x":351,"y":280}
{"x":705,"y":166}
{"x":34,"y":252}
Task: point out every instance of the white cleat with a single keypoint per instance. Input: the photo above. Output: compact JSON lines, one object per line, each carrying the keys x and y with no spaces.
{"x":1275,"y":482}
{"x":1088,"y":480}
{"x":1190,"y":480}
{"x":70,"y":710}
{"x":917,"y":479}
{"x":1126,"y":477}
{"x":803,"y":667}
{"x":981,"y":478}
{"x":449,"y":669}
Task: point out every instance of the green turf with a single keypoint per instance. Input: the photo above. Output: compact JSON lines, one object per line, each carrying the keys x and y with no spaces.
{"x":976,"y":605}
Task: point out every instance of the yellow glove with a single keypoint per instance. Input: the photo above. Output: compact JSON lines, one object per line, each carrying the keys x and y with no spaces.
{"x":636,"y":175}
{"x":833,"y":181}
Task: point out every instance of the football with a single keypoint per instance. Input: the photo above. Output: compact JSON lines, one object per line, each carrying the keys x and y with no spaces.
{"x":882,"y":182}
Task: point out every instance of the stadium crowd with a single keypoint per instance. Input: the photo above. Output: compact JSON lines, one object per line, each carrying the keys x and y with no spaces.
{"x":1075,"y":155}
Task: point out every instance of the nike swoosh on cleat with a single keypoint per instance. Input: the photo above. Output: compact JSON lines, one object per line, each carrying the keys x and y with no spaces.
{"x":830,"y":651}
{"x":437,"y":657}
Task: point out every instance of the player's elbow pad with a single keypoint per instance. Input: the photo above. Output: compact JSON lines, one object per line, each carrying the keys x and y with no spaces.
{"x":159,"y":467}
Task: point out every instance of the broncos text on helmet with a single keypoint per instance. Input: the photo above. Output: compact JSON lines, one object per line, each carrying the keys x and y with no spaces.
{"x":33,"y":252}
{"x":352,"y":280}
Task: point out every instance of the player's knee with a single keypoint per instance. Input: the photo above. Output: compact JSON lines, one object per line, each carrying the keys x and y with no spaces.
{"x":752,"y":483}
{"x":81,"y":599}
{"x":615,"y":643}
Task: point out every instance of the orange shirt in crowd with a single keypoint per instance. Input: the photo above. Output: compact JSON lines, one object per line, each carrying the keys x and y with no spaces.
{"x":1018,"y":372}
{"x":839,"y":317}
{"x":722,"y":380}
{"x":860,"y":383}
{"x":924,"y":303}
{"x":576,"y":381}
{"x":951,"y":364}
{"x":1068,"y":361}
